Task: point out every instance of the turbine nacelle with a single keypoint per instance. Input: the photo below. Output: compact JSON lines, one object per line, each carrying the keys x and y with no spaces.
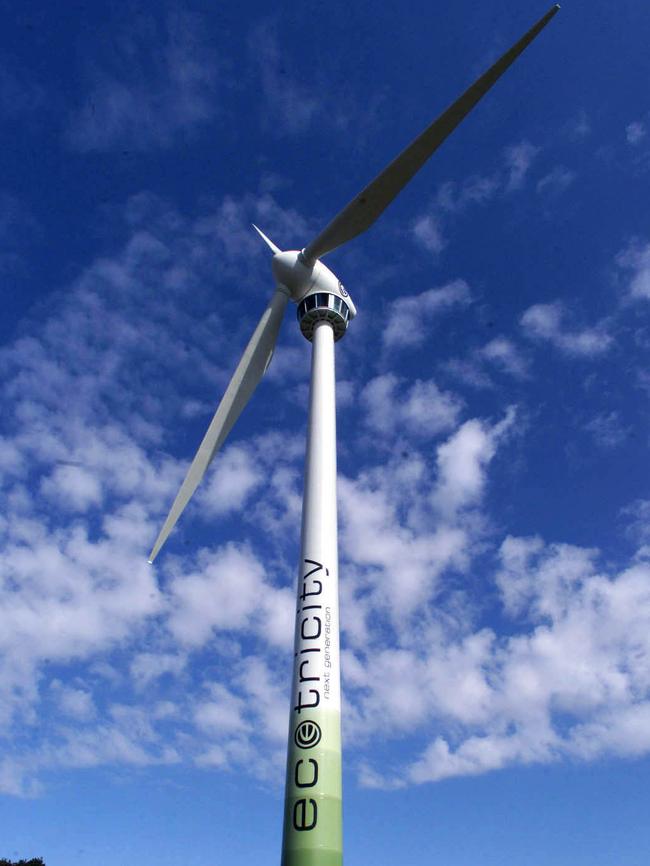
{"x":301,"y":279}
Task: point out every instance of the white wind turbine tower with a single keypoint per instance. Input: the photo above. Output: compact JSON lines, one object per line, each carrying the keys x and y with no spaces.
{"x":312,"y":819}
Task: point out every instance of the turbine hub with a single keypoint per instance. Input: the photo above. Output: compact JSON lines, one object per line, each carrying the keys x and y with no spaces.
{"x":323,"y":307}
{"x":289,"y":270}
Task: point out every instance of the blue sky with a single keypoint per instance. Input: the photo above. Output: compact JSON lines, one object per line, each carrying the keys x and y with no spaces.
{"x":493,"y":430}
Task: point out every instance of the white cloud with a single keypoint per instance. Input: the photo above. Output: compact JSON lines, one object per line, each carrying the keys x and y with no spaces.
{"x":223,"y":713}
{"x":267,"y":694}
{"x":426,"y":230}
{"x":227,"y":591}
{"x":556,"y":181}
{"x":544,"y":322}
{"x":409,"y":318}
{"x":624,"y":732}
{"x":75,"y":599}
{"x":504,"y":354}
{"x":635,"y":132}
{"x":579,"y":127}
{"x":635,"y":258}
{"x":147,"y":666}
{"x":607,"y":429}
{"x":148,"y":99}
{"x":127,"y":736}
{"x":291,"y":105}
{"x":637,"y":515}
{"x":239,"y":248}
{"x":519,"y":159}
{"x":73,"y":702}
{"x":394,"y":407}
{"x":453,"y":198}
{"x":73,"y":487}
{"x":476,"y":189}
{"x":221,"y":593}
{"x":462,"y":461}
{"x":11,"y":459}
{"x":571,"y":680}
{"x":234,"y":476}
{"x":402,"y":564}
{"x":291,"y":364}
{"x":345,"y":397}
{"x":469,"y":372}
{"x":409,"y":521}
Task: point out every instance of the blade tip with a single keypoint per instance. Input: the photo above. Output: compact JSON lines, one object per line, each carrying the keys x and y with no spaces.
{"x":274,"y":249}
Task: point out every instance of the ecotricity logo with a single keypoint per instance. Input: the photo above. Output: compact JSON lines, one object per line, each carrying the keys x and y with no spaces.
{"x":307,"y":735}
{"x":309,"y":668}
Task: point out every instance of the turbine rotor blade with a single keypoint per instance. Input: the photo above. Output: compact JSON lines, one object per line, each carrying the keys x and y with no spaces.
{"x":266,"y":240}
{"x":251,"y":368}
{"x":370,"y":203}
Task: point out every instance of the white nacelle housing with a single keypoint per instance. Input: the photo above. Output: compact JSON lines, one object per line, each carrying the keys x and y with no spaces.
{"x":290,"y":270}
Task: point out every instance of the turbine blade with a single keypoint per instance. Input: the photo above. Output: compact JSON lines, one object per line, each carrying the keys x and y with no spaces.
{"x":266,"y":240}
{"x":250,"y":370}
{"x":370,"y":203}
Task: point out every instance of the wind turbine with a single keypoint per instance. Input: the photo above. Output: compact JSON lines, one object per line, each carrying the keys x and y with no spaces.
{"x":312,"y":815}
